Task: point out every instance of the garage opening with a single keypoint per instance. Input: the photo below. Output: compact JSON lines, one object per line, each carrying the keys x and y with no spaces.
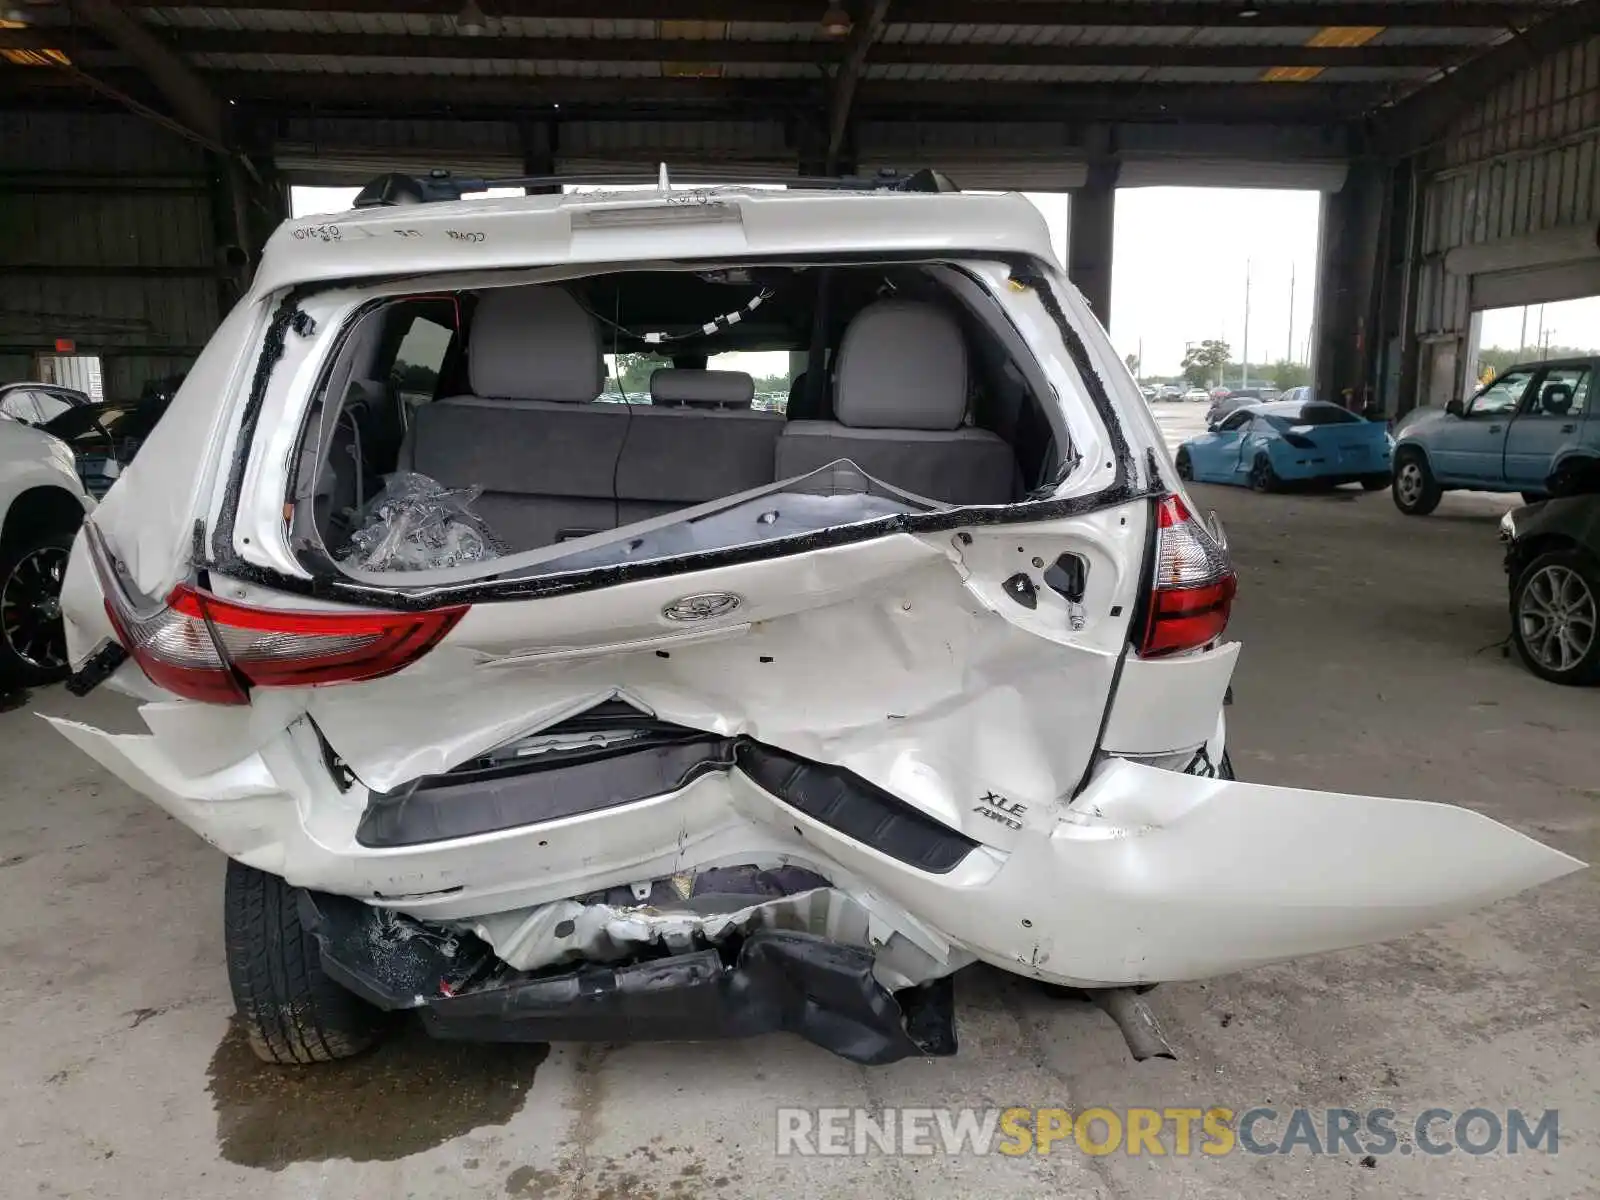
{"x":1533,"y":333}
{"x":1214,"y":288}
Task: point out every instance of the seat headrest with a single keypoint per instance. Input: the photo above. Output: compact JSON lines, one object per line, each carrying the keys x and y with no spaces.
{"x":902,"y":365}
{"x":701,"y":389}
{"x":534,"y":343}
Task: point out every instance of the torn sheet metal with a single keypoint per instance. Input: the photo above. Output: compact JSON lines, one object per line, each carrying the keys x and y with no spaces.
{"x":571,"y":930}
{"x":897,"y":662}
{"x":1149,"y":875}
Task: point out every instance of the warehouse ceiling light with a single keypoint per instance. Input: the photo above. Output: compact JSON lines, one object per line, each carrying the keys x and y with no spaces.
{"x":471,"y":20}
{"x":836,"y":22}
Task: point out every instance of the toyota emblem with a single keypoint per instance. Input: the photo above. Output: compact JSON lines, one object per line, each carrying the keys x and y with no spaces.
{"x":705,"y":606}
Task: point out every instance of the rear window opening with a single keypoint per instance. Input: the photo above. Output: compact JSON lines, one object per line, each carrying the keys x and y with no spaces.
{"x":641,"y":414}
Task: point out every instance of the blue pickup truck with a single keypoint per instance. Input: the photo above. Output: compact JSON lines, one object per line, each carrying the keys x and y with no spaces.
{"x":1531,"y":431}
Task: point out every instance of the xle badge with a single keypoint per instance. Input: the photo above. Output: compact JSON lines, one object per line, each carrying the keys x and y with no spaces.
{"x":997,"y":808}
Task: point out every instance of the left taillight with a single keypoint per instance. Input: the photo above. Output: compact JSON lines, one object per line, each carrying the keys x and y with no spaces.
{"x":202,"y":647}
{"x":1191,"y":594}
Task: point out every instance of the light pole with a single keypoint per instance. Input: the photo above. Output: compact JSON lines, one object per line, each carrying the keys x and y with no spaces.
{"x":1244,"y":353}
{"x":1289,"y":354}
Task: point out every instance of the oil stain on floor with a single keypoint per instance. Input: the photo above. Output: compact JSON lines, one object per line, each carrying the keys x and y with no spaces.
{"x":409,"y":1095}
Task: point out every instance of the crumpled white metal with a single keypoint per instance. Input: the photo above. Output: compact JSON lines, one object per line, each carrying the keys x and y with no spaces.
{"x":906,"y":952}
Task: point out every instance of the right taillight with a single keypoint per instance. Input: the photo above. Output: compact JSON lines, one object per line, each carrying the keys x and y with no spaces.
{"x":1192,"y":592}
{"x":201,"y":647}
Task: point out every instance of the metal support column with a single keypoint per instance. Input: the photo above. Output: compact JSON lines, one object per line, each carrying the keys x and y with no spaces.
{"x":1092,"y":216}
{"x":1344,"y":361}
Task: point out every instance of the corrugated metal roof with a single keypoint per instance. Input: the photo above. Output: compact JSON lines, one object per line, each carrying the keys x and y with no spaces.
{"x":1032,"y":35}
{"x":991,"y":73}
{"x":453,"y":67}
{"x":436,"y":37}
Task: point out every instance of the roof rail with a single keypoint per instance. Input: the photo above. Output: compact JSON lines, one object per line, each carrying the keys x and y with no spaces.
{"x":440,"y":185}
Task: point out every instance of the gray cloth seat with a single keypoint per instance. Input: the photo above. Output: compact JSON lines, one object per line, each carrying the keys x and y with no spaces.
{"x":698,"y":440}
{"x":554,"y":462}
{"x":531,"y":434}
{"x":900,"y":396}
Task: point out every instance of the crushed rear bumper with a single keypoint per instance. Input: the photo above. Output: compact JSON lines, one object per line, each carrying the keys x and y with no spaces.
{"x":1147,"y":875}
{"x":776,"y":981}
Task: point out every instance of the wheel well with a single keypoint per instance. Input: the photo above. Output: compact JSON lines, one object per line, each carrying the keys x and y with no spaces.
{"x":1410,"y":450}
{"x":1528,"y":549}
{"x":39,"y":510}
{"x":1583,"y":469}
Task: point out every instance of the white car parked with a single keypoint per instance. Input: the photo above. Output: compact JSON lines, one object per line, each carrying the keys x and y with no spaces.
{"x":559,"y":719}
{"x":42,"y":504}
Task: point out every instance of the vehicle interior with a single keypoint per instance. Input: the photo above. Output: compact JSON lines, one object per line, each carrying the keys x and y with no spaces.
{"x":911,"y":373}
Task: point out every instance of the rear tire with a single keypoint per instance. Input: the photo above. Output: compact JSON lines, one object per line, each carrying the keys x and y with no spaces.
{"x":1185,"y":465}
{"x":1533,"y":497}
{"x":290,"y":1010}
{"x":1262,"y":477}
{"x":1416,"y":492}
{"x":33,"y":640}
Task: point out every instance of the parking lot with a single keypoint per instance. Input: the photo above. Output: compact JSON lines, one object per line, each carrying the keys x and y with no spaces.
{"x":1373,"y":662}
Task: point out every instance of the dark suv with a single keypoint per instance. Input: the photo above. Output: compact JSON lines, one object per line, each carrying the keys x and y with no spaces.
{"x":1237,"y":399}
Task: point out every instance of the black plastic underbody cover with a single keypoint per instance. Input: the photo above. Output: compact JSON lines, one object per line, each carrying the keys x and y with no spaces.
{"x":777,"y":981}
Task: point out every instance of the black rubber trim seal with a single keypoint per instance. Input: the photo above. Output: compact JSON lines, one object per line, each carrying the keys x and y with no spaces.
{"x":332,"y":584}
{"x":845,"y":802}
{"x":468,"y":802}
{"x":438,"y":808}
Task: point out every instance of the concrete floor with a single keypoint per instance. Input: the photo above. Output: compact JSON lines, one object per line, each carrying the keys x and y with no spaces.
{"x":1370,"y":664}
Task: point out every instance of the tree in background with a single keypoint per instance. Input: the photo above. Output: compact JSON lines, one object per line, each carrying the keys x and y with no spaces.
{"x":633,"y":373}
{"x":414,"y":378}
{"x":1284,"y":374}
{"x":1500,"y":360}
{"x":1133,"y":365}
{"x":1205,"y":361}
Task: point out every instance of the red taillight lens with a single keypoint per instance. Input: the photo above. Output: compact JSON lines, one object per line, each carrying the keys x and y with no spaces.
{"x":1192,"y":593}
{"x":201,"y":647}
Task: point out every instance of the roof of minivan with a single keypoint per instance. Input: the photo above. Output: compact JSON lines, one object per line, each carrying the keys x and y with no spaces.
{"x":629,"y":226}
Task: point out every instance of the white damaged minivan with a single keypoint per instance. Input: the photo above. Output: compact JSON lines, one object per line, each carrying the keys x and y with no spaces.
{"x":556,"y":710}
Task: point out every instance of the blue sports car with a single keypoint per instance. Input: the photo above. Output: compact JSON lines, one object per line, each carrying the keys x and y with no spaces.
{"x":1290,"y":441}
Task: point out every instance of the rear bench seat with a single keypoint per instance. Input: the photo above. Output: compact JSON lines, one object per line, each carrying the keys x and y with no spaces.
{"x":900,"y":395}
{"x":698,"y":440}
{"x":555,"y":463}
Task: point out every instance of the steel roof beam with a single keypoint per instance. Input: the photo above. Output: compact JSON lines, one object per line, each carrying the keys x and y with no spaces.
{"x":706,"y":50}
{"x":190,"y":100}
{"x":1477,"y":14}
{"x":847,"y":75}
{"x":1423,"y":117}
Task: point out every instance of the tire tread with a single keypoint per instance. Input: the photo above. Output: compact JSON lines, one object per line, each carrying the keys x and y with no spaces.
{"x":291,"y":1011}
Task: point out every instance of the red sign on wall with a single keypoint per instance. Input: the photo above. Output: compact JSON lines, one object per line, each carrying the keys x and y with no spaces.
{"x":66,"y":346}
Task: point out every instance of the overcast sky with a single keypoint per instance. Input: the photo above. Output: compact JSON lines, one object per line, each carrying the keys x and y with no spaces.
{"x":1179,"y":275}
